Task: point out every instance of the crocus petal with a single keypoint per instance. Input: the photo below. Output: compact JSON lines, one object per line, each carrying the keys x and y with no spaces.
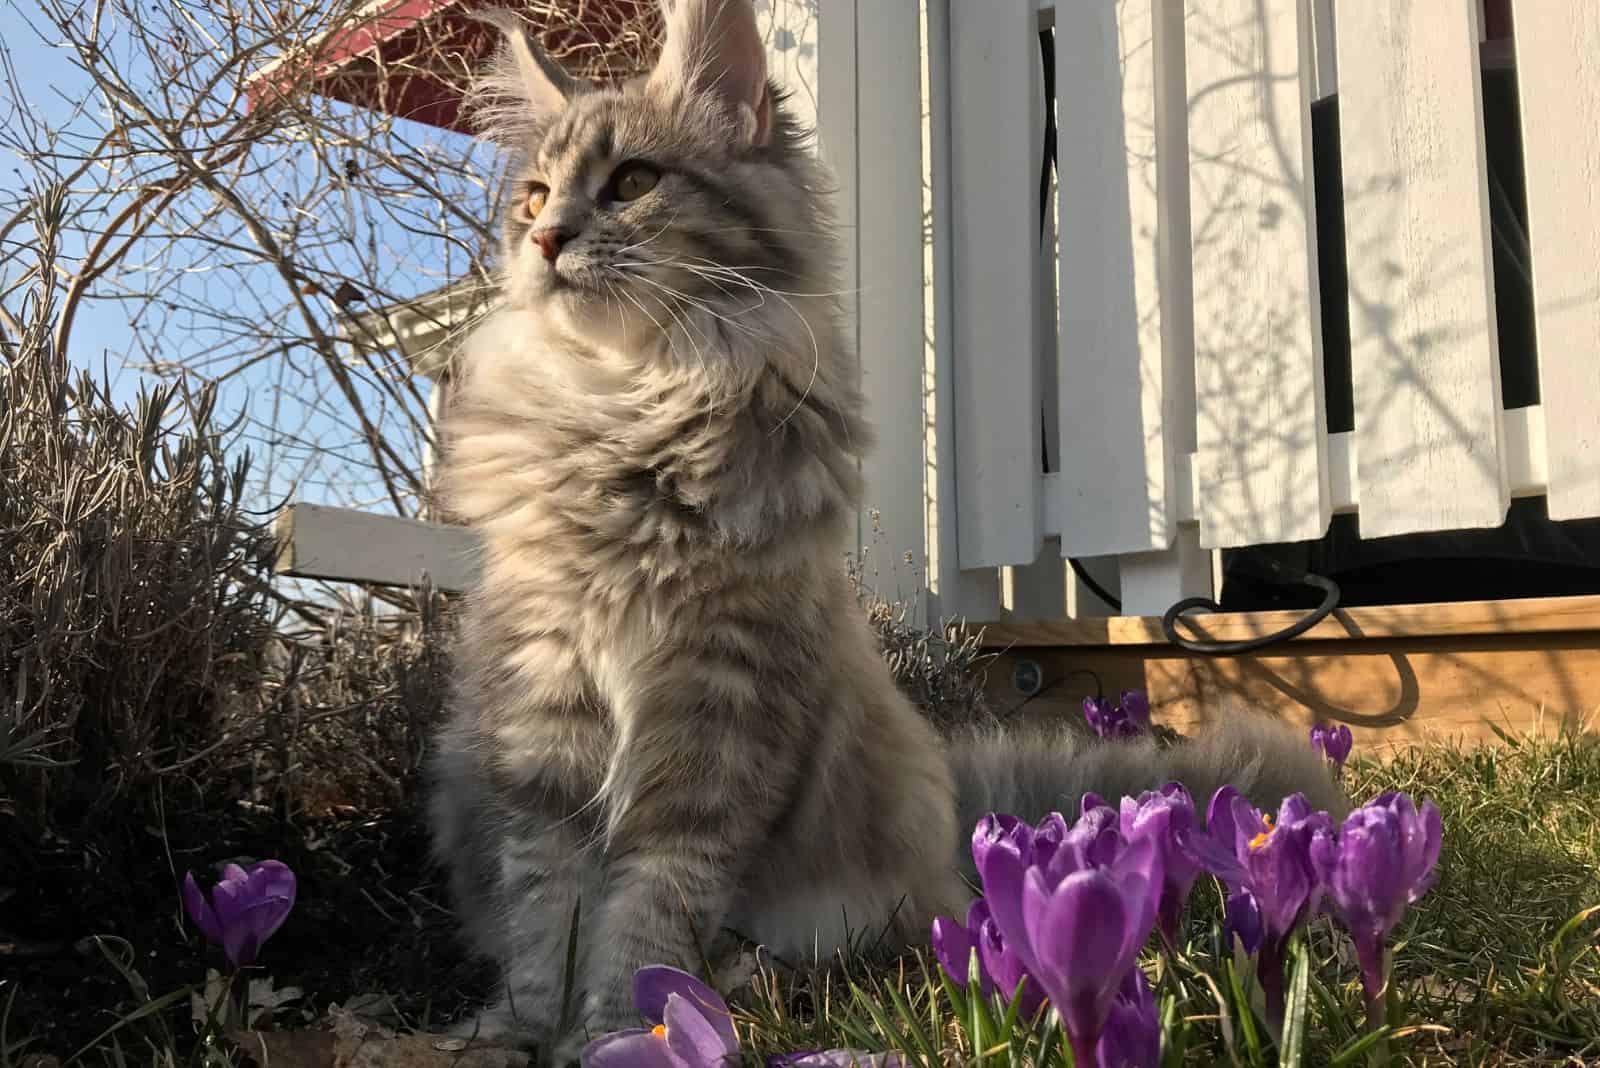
{"x":1078,"y":934}
{"x":692,"y":1036}
{"x":1242,"y":918}
{"x":1138,"y":874}
{"x":991,"y":829}
{"x":953,"y":946}
{"x":655,"y":984}
{"x":1006,"y":970}
{"x":194,"y":902}
{"x":1136,"y":707}
{"x":1132,"y":1034}
{"x":1002,"y":873}
{"x":629,"y":1049}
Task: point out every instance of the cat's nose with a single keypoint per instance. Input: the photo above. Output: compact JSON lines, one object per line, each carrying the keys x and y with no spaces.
{"x":551,"y":240}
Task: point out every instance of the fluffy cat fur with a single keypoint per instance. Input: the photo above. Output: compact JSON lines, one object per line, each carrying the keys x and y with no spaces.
{"x":668,"y":704}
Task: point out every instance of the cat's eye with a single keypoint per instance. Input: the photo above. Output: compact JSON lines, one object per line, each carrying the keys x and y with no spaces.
{"x":537,"y":195}
{"x":633,"y":180}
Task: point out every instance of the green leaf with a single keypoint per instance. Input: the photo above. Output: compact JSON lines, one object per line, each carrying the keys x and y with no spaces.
{"x":1360,"y":1047}
{"x":1244,"y":1014}
{"x":1296,"y":1007}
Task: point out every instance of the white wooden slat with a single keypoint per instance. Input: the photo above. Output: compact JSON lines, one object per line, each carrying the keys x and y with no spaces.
{"x":346,"y":545}
{"x":951,"y":592}
{"x":1262,"y":438}
{"x":994,"y":54}
{"x":1423,"y":348}
{"x":888,"y":256}
{"x":1120,"y":174}
{"x":1153,"y":582}
{"x":1326,"y":80}
{"x":837,"y":137}
{"x":1558,"y":83}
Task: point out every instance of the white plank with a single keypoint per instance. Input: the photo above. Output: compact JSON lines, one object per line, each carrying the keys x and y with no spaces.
{"x":1558,"y":82}
{"x":1262,"y":437}
{"x":1153,"y":582}
{"x":1120,"y":111}
{"x":346,"y":545}
{"x":1527,"y":471}
{"x":888,"y":256}
{"x":994,"y":60}
{"x":1326,"y":79}
{"x":1423,"y":347}
{"x":837,"y":137}
{"x":951,"y":592}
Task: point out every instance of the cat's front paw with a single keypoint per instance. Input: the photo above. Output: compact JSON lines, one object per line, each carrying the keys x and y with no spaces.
{"x":498,"y":1025}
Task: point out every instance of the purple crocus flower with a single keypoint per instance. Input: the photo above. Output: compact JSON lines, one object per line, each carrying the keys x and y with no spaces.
{"x":1271,"y":862}
{"x":1166,"y":816}
{"x":1129,"y":717}
{"x":692,"y":1027}
{"x":1333,"y":742}
{"x":246,"y":907}
{"x":1380,"y":862}
{"x":1075,"y":925}
{"x":1132,"y":1035}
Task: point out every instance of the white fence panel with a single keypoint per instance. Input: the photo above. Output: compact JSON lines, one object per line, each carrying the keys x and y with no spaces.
{"x":1558,"y":80}
{"x":1119,"y":408}
{"x":994,"y":60}
{"x":1423,"y":346}
{"x":1261,"y":429}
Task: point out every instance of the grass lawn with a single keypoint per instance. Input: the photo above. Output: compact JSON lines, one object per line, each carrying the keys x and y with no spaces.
{"x":1498,"y":965}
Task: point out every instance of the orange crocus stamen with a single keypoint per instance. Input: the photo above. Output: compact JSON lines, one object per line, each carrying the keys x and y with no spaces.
{"x":660,"y":1031}
{"x":1261,"y":839}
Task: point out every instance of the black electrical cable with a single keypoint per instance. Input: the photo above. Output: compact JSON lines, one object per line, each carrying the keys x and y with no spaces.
{"x":1261,"y":565}
{"x":1271,"y":570}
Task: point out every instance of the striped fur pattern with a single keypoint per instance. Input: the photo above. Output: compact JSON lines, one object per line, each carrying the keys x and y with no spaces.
{"x":668,"y":706}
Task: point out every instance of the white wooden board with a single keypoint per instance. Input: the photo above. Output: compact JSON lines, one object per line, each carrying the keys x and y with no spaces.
{"x":994,"y":181}
{"x":888,"y":256}
{"x":1423,"y":347}
{"x":346,"y":545}
{"x":1123,"y":277}
{"x":1261,"y":425}
{"x":1558,"y":82}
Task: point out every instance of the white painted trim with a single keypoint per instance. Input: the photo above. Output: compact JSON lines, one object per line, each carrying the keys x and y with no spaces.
{"x":348,"y":545}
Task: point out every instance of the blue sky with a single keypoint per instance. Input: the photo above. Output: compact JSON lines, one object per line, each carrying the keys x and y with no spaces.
{"x":413,"y":262}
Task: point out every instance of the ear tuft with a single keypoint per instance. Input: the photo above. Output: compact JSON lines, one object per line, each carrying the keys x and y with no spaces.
{"x":713,"y":48}
{"x":522,"y":86}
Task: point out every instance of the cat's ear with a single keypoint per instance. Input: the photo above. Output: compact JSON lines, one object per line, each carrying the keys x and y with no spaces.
{"x":521,"y":77}
{"x":714,"y":49}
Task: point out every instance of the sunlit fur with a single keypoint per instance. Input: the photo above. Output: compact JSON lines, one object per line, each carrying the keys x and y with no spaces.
{"x":669,"y":707}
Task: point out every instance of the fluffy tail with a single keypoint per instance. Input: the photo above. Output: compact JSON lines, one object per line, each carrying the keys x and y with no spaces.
{"x":1031,"y":772}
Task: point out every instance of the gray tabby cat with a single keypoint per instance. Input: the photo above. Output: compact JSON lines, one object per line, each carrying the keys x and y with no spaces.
{"x":669,"y":705}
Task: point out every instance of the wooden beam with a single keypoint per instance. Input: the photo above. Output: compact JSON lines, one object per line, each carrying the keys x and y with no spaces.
{"x":1392,"y":692}
{"x":347,"y":545}
{"x":1538,"y":615}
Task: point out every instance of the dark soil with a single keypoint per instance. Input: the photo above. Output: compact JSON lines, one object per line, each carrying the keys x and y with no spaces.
{"x":371,"y":917}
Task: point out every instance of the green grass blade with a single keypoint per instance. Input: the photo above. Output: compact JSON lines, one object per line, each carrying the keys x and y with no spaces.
{"x":1360,"y":1047}
{"x":1244,"y":1014}
{"x":1296,"y":1007}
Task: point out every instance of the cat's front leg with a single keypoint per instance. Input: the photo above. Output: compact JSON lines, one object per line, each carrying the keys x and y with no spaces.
{"x":547,"y":873}
{"x":696,"y":789}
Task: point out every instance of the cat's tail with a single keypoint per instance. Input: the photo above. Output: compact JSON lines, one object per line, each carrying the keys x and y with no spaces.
{"x":1030,"y":772}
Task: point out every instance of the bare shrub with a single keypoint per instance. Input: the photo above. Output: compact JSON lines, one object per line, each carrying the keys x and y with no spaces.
{"x":131,"y":605}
